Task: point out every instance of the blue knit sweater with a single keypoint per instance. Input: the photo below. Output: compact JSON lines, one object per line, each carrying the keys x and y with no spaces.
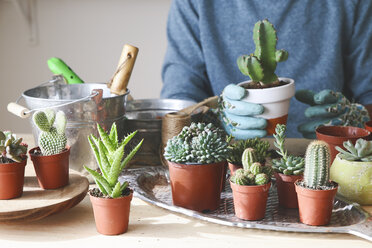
{"x":329,"y":44}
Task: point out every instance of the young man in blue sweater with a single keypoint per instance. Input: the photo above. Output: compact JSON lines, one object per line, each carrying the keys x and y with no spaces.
{"x":329,"y":44}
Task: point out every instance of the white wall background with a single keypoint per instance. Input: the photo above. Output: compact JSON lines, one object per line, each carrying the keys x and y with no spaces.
{"x":88,"y":35}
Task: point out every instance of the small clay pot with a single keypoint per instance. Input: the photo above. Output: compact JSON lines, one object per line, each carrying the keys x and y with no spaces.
{"x":12,"y":179}
{"x":234,"y":167}
{"x":286,"y":190}
{"x":368,"y":126}
{"x":250,"y":201}
{"x":336,"y":135}
{"x":52,"y":171}
{"x":315,"y":206}
{"x":111,"y":214}
{"x":196,"y":186}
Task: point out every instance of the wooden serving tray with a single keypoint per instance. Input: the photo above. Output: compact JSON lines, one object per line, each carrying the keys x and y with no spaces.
{"x":36,"y":203}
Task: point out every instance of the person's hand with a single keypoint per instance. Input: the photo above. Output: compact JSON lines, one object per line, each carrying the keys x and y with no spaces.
{"x":237,"y":117}
{"x":329,"y":108}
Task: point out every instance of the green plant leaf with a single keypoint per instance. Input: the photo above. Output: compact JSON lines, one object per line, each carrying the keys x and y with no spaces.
{"x":95,"y":150}
{"x":105,"y":165}
{"x":128,"y":138}
{"x":114,"y":135}
{"x":101,"y":188}
{"x":99,"y":179}
{"x":124,"y":186}
{"x":116,"y":191}
{"x":105,"y":139}
{"x":130,"y":156}
{"x":115,"y":167}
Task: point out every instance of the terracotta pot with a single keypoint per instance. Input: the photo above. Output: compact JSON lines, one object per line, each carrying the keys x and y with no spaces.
{"x":52,"y":171}
{"x":250,"y":201}
{"x":111,"y":215}
{"x":275,"y":101}
{"x":286,"y":190}
{"x":368,"y":126}
{"x":11,"y":179}
{"x":354,"y":179}
{"x":234,"y":167}
{"x":336,"y":135}
{"x":315,"y":206}
{"x":196,"y":187}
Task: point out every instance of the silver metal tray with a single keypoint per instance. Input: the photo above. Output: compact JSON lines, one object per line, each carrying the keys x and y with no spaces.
{"x":151,"y":184}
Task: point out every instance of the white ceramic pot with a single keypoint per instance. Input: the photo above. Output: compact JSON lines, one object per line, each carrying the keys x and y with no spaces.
{"x":354,"y":179}
{"x":275,"y":100}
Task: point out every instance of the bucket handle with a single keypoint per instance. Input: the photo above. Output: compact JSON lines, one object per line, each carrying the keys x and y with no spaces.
{"x":24,"y":112}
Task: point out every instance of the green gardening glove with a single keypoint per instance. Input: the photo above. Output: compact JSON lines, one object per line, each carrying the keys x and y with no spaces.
{"x":239,"y":117}
{"x":329,"y":108}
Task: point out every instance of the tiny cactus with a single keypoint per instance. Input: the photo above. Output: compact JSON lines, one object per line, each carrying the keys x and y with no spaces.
{"x":261,"y":179}
{"x":362,"y":151}
{"x":52,"y":139}
{"x":11,"y":148}
{"x":249,"y":157}
{"x":250,"y":171}
{"x":256,"y":168}
{"x":287,"y":164}
{"x":317,"y":162}
{"x":261,"y":65}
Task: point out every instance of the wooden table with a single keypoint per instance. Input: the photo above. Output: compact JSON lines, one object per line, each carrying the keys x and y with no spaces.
{"x":151,"y":226}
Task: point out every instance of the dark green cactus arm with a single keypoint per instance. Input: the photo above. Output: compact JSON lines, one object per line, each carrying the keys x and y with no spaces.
{"x":251,"y":66}
{"x":281,"y":55}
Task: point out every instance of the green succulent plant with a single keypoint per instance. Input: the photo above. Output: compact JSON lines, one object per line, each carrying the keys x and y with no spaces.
{"x":317,"y":163}
{"x":237,"y":148}
{"x":287,"y":164}
{"x":109,"y":153}
{"x":11,"y":148}
{"x":198,"y":143}
{"x":362,"y":151}
{"x":52,"y":139}
{"x":252,"y":173}
{"x":261,"y":65}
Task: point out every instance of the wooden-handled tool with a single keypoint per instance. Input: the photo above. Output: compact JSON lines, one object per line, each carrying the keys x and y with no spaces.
{"x":119,"y":82}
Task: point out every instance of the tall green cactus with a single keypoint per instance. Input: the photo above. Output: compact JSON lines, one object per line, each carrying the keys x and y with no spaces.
{"x":261,"y":65}
{"x":52,"y":139}
{"x":317,"y":162}
{"x":249,"y":156}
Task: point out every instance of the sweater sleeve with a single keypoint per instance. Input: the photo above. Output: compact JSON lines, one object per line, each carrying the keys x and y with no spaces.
{"x":359,"y":55}
{"x":184,"y":72}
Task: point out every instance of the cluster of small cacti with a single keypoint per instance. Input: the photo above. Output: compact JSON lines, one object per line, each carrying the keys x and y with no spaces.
{"x":362,"y":151}
{"x":317,"y":163}
{"x":237,"y":148}
{"x":253,"y":172}
{"x":109,"y":154}
{"x":261,"y":65}
{"x":287,"y":164}
{"x":199,"y":143}
{"x":11,"y":148}
{"x":52,"y":139}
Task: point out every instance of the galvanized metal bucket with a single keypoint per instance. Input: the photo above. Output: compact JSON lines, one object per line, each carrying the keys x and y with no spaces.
{"x":84,"y":106}
{"x":146,"y":116}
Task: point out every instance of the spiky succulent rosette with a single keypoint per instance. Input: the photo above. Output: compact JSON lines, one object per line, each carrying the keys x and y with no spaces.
{"x":198,"y":143}
{"x":11,"y":148}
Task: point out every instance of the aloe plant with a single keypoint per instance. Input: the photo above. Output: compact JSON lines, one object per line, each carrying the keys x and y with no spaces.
{"x":109,"y":153}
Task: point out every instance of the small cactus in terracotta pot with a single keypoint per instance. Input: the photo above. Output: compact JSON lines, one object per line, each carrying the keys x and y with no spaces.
{"x":316,"y":192}
{"x":51,"y":157}
{"x":13,"y":161}
{"x":111,"y":200}
{"x":250,"y":186}
{"x":287,"y":169}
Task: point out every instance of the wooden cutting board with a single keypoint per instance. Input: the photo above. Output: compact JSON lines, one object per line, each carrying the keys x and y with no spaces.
{"x":36,"y":203}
